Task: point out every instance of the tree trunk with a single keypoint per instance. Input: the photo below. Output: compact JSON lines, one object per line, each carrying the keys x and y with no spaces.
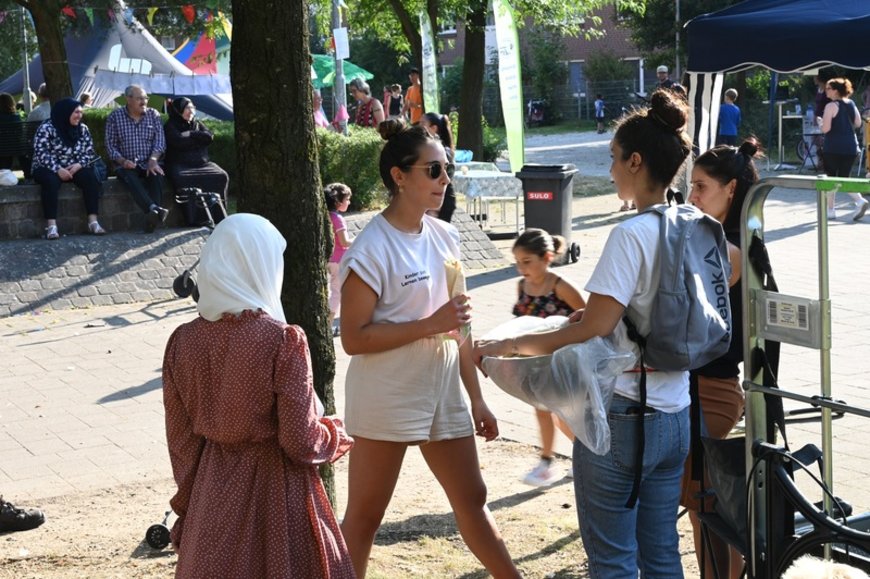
{"x":276,"y":149}
{"x":47,"y":23}
{"x":471,"y":94}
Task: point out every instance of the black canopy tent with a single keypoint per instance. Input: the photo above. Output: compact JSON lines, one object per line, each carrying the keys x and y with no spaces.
{"x":781,"y":35}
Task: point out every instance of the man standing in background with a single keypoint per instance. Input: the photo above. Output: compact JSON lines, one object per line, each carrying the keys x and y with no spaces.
{"x":414,"y":97}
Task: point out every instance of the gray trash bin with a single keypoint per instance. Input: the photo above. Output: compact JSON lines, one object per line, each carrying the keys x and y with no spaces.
{"x":547,"y":196}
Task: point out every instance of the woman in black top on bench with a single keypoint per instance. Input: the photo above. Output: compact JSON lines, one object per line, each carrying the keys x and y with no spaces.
{"x":63,"y":150}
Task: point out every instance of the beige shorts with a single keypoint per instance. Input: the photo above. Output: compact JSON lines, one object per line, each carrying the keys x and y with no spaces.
{"x":409,"y":394}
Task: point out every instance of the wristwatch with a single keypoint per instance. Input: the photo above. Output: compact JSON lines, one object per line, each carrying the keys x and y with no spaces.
{"x":153,"y":158}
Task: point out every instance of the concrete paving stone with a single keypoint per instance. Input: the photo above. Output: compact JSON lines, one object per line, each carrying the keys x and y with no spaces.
{"x":70,"y":464}
{"x":101,"y":300}
{"x":47,"y":446}
{"x":50,"y":284}
{"x":9,"y":414}
{"x":106,"y":289}
{"x":87,"y":291}
{"x":148,"y":274}
{"x":92,"y":481}
{"x":26,"y":490}
{"x":13,"y":456}
{"x":5,"y":311}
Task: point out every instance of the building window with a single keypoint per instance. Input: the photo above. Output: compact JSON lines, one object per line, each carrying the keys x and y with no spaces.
{"x":168,"y":42}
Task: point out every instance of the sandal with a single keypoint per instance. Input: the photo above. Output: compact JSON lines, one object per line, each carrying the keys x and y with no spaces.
{"x":51,"y":232}
{"x":95,"y":228}
{"x":624,"y":208}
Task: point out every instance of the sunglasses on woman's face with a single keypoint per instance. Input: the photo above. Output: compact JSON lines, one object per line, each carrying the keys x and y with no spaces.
{"x":435,"y":168}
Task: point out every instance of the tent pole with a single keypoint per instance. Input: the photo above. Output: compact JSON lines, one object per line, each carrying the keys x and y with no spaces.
{"x":25,"y":89}
{"x":339,"y":91}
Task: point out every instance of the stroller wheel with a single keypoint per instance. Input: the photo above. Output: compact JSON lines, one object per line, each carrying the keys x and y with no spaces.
{"x":195,"y":293}
{"x":157,"y":536}
{"x":184,"y":285}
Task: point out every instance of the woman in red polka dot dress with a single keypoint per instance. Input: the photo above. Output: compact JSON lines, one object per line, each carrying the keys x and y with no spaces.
{"x":245,"y":430}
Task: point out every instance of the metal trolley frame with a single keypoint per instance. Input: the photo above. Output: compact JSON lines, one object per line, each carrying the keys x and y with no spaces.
{"x":803,"y":322}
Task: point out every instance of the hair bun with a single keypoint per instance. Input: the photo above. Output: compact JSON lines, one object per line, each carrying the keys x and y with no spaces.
{"x":391,"y":127}
{"x":750,"y":147}
{"x":669,"y":110}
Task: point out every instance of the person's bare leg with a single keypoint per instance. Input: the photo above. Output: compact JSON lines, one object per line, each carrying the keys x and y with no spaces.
{"x":563,"y":427}
{"x":548,"y":432}
{"x":454,"y":463}
{"x":373,"y":469}
{"x":727,"y":559}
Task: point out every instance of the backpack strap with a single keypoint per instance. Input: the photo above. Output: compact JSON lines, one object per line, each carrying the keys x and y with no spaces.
{"x":697,"y":449}
{"x":635,"y":337}
{"x":768,"y":358}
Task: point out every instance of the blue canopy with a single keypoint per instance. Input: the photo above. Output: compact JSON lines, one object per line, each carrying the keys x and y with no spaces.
{"x":782,"y":35}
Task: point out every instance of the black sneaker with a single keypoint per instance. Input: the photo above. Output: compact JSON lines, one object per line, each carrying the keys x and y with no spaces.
{"x":152,"y":218}
{"x":14,"y":519}
{"x":163,"y":214}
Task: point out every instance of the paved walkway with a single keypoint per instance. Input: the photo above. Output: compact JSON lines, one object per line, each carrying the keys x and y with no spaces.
{"x":80,"y":397}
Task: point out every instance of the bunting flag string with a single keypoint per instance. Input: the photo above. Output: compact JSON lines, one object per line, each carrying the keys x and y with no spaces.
{"x":2,"y":16}
{"x":69,"y":11}
{"x":89,"y":12}
{"x":150,"y":16}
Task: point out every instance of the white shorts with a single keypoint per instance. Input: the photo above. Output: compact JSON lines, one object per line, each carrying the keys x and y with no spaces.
{"x":408,"y":394}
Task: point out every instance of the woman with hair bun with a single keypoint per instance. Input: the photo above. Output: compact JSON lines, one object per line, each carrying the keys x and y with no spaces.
{"x":721,"y":177}
{"x":620,"y":536}
{"x":399,"y":323}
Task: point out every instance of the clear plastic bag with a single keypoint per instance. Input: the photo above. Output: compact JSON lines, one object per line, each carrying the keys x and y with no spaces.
{"x":576,"y":382}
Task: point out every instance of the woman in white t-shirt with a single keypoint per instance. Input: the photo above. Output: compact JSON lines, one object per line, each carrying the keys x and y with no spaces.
{"x":648,"y":148}
{"x":400,"y":325}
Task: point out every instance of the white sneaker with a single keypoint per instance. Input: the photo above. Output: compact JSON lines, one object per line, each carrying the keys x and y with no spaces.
{"x":832,"y":215}
{"x":862,"y":209}
{"x":542,"y":475}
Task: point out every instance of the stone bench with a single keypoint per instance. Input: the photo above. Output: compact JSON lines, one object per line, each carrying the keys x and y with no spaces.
{"x":21,"y":210}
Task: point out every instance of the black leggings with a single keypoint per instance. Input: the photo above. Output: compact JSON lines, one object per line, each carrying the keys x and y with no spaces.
{"x":838,"y":165}
{"x":85,"y":179}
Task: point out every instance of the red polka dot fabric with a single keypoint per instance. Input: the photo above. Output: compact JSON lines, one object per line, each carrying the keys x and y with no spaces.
{"x":245,"y":442}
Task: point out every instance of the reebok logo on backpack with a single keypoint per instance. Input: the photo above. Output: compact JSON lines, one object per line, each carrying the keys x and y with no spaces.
{"x":690,"y":319}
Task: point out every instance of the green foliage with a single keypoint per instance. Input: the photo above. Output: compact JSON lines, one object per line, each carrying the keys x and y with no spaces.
{"x":494,"y":143}
{"x":654,"y":29}
{"x":546,"y":73}
{"x":603,"y":67}
{"x":353,"y":160}
{"x":11,"y":39}
{"x":382,"y":60}
{"x":451,"y":85}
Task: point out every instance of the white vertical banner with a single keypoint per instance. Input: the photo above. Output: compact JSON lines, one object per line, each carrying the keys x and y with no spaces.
{"x":510,"y":81}
{"x":431,"y":100}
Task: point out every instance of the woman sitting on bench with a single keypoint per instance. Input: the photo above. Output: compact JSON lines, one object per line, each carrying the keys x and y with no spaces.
{"x":63,"y":150}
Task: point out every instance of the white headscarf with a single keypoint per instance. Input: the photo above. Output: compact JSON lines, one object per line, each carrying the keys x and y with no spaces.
{"x":241,"y":268}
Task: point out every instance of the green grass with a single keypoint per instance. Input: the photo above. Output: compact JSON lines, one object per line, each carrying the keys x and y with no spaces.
{"x":592,"y":186}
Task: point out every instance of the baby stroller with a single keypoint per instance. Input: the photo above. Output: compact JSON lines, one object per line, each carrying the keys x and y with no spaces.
{"x":535,"y":112}
{"x":211,"y":203}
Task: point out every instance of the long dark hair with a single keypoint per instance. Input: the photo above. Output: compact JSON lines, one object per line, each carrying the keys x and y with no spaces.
{"x":724,"y":163}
